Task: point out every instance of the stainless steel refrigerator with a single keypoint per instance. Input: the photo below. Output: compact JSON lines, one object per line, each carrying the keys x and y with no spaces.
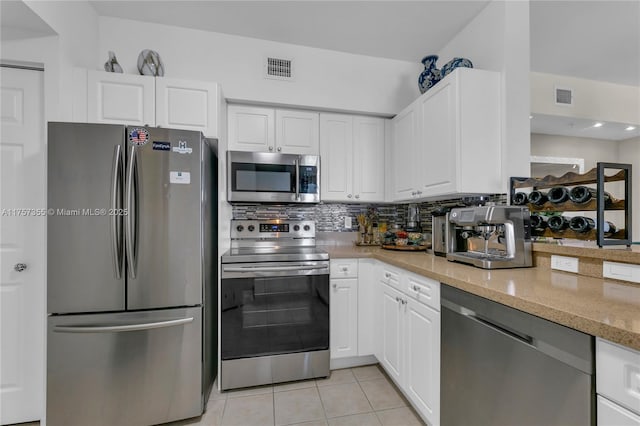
{"x":131,"y":273}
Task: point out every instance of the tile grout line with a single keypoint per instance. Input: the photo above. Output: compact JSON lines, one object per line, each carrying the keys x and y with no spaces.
{"x":368,"y":401}
{"x":324,"y":411}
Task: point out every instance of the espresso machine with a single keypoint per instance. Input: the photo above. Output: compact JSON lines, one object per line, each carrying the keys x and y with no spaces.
{"x":413,"y":219}
{"x":490,"y":237}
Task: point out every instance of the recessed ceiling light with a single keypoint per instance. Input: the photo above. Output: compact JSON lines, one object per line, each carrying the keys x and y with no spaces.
{"x":630,"y":128}
{"x":597,"y":125}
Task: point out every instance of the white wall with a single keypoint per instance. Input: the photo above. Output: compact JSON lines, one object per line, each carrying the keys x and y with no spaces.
{"x":591,"y":150}
{"x":629,"y":152}
{"x":76,"y":24}
{"x":498,"y":39}
{"x":595,"y":100}
{"x":324,"y":79}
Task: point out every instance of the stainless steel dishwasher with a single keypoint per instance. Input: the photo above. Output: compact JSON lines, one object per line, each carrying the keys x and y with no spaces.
{"x":504,"y":367}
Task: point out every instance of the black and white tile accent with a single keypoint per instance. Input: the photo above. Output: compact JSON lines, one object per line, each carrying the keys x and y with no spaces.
{"x":329,"y":217}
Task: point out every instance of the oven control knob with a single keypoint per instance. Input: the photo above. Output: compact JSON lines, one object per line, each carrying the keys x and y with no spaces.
{"x":296,"y":228}
{"x":307,"y":227}
{"x":240,"y":228}
{"x":251,"y":228}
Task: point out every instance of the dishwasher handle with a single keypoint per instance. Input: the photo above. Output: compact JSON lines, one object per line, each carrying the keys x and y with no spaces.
{"x":524,"y":338}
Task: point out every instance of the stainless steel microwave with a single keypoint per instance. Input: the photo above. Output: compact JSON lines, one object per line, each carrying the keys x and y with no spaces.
{"x":262,"y":177}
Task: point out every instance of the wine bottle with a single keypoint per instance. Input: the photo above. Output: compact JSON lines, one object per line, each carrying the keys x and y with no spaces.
{"x":538,"y":222}
{"x":537,"y":197}
{"x":581,"y":194}
{"x":581,"y":224}
{"x":558,"y":194}
{"x":584,"y":224}
{"x":519,"y":199}
{"x":558,"y":223}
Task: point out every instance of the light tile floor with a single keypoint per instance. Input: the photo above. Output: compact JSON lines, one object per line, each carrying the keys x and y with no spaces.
{"x":362,"y":396}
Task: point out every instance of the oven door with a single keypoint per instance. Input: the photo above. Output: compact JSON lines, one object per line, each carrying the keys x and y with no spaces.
{"x":270,"y":312}
{"x":267,"y":177}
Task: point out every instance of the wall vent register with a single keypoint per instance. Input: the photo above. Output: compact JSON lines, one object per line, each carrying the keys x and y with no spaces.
{"x":279,"y":68}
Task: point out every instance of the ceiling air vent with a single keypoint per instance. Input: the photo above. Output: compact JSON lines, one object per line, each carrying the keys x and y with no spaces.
{"x":278,"y":68}
{"x":564,"y":96}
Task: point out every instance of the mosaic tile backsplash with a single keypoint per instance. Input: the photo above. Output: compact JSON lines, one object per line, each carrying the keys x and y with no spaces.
{"x":329,"y":217}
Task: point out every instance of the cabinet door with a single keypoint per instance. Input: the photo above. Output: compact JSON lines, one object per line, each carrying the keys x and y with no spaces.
{"x":404,"y":155}
{"x":343,"y":308}
{"x":336,"y":159}
{"x":120,"y":98}
{"x":610,"y":414}
{"x":297,"y":132}
{"x":368,"y":159}
{"x":392,"y":313}
{"x":438,"y":142}
{"x":251,"y":128}
{"x":189,"y":105}
{"x":421,"y":371}
{"x":367,"y":309}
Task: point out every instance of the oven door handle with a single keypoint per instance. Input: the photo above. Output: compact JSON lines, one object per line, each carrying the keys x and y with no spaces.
{"x":297,"y":162}
{"x":273,"y":268}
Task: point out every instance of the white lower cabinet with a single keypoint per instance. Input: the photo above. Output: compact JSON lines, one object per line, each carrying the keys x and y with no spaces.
{"x":611,"y":414}
{"x":409,"y":347}
{"x":617,"y":384}
{"x":422,"y":358}
{"x":343,"y":312}
{"x":391,"y":332}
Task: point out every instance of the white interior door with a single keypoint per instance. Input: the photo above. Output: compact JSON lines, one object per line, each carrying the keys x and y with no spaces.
{"x":22,"y":242}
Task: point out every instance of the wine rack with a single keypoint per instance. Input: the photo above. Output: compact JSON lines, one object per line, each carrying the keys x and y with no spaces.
{"x":595,"y":176}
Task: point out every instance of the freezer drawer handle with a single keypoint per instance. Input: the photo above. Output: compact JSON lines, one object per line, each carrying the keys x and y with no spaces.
{"x":120,"y":328}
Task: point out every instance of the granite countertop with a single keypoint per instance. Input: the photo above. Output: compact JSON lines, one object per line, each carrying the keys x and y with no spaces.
{"x":590,"y":249}
{"x":604,"y":308}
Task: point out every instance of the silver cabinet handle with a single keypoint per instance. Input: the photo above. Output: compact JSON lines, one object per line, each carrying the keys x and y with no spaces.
{"x":387,"y":275}
{"x":357,"y":195}
{"x":132,"y":210}
{"x":279,"y":148}
{"x":20,"y":267}
{"x":118,"y":328}
{"x":416,"y":288}
{"x":418,"y":192}
{"x":344,"y":269}
{"x":116,"y":220}
{"x":413,"y":194}
{"x":270,"y":148}
{"x":397,"y":299}
{"x":335,"y":285}
{"x":349,"y":196}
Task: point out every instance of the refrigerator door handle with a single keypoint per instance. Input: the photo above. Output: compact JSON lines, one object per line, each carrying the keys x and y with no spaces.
{"x":116,"y":218}
{"x":121,"y":328}
{"x":132,"y":213}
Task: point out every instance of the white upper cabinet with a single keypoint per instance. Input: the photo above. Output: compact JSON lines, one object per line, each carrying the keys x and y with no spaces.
{"x":336,"y":151}
{"x":352,"y":152}
{"x":251,"y":128}
{"x":120,"y":98}
{"x":260,"y":129}
{"x":448,"y":141}
{"x":297,"y":132}
{"x":403,"y":152}
{"x":186,"y":104}
{"x":143,"y":100}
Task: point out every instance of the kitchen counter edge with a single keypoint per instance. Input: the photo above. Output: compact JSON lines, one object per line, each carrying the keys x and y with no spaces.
{"x":571,"y":300}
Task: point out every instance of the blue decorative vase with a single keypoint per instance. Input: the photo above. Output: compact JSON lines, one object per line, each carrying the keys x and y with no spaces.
{"x":431,"y":74}
{"x":453,"y":64}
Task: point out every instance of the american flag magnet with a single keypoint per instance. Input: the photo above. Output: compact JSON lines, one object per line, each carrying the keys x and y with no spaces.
{"x":139,"y":136}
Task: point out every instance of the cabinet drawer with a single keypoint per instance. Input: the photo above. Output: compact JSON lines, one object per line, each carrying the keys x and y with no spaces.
{"x":391,"y":276}
{"x":344,"y":268}
{"x":424,"y":290}
{"x":610,"y":414}
{"x":618,"y":374}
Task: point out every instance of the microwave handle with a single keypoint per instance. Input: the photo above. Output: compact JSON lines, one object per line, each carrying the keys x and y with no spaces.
{"x":297,"y":163}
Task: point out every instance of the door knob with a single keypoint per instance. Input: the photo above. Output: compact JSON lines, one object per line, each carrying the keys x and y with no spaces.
{"x":270,"y":148}
{"x":279,"y":148}
{"x":20,"y":267}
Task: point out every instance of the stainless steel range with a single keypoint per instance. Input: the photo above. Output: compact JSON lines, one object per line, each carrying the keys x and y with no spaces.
{"x":274,"y":304}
